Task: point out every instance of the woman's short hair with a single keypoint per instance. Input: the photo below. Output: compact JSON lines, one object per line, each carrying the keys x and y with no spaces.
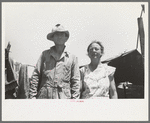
{"x":99,"y":43}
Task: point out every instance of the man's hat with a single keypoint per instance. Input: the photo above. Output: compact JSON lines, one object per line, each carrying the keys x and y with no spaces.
{"x":57,"y":28}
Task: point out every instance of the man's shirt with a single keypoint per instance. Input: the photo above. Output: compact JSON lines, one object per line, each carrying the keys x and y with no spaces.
{"x":55,"y":79}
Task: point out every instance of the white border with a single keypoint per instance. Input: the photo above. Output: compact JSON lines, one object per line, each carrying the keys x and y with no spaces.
{"x":74,"y":110}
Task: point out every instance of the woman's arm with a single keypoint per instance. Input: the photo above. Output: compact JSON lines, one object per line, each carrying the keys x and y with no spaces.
{"x":113,"y":91}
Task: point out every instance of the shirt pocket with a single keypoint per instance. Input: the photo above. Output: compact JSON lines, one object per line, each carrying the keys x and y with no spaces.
{"x":49,"y":64}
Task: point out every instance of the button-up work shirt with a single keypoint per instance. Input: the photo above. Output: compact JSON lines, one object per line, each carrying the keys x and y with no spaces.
{"x":55,"y":79}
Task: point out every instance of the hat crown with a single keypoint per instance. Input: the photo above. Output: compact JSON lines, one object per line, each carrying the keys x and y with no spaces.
{"x":58,"y":27}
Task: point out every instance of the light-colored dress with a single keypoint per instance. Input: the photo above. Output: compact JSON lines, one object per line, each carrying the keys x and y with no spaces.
{"x":95,"y":84}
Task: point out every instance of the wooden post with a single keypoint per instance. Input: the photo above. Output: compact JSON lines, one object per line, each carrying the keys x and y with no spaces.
{"x":142,"y":35}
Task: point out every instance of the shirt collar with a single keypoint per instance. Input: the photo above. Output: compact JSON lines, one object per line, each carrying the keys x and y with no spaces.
{"x":53,"y":53}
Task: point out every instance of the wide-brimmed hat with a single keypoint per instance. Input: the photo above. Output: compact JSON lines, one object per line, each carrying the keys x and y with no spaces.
{"x":57,"y":28}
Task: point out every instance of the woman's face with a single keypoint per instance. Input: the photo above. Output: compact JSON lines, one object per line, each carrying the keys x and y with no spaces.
{"x":95,"y":51}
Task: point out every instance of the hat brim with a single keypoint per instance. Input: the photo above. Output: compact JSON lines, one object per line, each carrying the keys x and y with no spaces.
{"x":50,"y":35}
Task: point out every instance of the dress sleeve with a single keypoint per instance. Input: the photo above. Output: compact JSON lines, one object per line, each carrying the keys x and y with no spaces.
{"x":110,"y":70}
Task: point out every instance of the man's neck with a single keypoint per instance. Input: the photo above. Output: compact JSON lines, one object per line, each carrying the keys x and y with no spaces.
{"x":59,"y":48}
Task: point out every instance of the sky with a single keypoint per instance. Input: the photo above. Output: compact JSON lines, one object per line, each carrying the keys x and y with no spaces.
{"x":26,"y":25}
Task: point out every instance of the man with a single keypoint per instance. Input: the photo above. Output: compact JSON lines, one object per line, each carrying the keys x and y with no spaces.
{"x":56,"y":75}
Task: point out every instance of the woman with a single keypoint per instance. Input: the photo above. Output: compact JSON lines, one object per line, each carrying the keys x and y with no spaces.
{"x":97,"y":78}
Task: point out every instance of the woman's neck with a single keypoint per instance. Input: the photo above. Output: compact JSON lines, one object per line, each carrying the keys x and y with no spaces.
{"x":94,"y":63}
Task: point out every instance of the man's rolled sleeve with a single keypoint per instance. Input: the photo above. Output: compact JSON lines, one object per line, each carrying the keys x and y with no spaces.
{"x":34,"y":83}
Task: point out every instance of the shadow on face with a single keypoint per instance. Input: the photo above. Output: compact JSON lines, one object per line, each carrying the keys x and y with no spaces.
{"x":60,"y":38}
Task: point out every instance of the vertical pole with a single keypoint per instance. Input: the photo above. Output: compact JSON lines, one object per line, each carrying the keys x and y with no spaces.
{"x":141,"y":34}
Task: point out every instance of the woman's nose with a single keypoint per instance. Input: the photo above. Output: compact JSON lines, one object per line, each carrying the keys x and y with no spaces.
{"x":94,"y":50}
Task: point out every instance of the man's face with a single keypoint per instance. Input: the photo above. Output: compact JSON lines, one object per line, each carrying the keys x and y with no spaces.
{"x":60,"y":38}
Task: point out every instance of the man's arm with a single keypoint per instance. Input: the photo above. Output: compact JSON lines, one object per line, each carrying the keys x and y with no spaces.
{"x":34,"y":83}
{"x":75,"y":80}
